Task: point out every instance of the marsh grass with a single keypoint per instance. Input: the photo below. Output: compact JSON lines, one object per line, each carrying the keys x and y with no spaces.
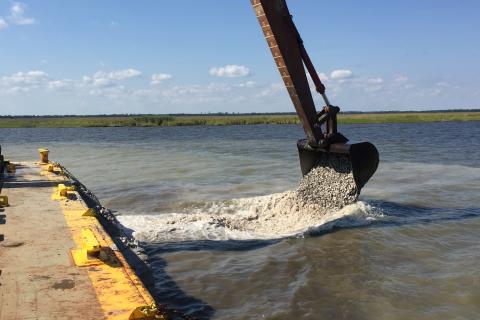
{"x":221,"y":120}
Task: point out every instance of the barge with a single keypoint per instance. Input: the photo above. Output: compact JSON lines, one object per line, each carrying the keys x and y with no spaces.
{"x":63,"y":255}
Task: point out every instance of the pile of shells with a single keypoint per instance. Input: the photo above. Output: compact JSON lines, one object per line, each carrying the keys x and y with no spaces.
{"x":329,"y":185}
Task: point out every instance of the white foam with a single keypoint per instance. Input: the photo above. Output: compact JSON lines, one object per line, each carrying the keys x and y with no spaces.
{"x":265,"y":217}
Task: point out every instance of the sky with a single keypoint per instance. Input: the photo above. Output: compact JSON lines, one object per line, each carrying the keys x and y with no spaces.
{"x":192,"y":56}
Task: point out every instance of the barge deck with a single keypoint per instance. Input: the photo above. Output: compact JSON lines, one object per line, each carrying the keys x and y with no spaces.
{"x":56,"y":259}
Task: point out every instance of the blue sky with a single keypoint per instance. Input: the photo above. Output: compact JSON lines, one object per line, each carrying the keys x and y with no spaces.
{"x":156,"y":56}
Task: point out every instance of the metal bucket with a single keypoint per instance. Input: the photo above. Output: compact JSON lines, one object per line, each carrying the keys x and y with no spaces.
{"x":363,"y":158}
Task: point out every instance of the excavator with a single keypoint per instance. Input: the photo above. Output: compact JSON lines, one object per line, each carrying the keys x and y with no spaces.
{"x":321,"y":147}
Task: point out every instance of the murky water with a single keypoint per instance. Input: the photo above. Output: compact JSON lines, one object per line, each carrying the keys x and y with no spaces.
{"x":409,"y":250}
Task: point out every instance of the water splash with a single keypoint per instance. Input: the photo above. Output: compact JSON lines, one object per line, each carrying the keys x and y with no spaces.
{"x":266,"y":217}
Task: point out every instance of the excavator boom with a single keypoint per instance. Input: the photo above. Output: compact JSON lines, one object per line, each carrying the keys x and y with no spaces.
{"x":274,"y":17}
{"x":291,"y":59}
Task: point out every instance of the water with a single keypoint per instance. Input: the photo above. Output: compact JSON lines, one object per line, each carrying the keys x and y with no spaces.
{"x":409,"y":249}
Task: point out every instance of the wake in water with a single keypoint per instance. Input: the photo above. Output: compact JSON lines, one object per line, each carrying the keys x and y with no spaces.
{"x":279,"y":215}
{"x":327,"y":194}
{"x":266,"y":217}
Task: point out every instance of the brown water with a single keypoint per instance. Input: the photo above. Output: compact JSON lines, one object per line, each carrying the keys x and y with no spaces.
{"x":409,"y":250}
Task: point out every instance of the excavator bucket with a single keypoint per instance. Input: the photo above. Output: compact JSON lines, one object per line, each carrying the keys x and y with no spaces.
{"x":321,"y":147}
{"x":363,"y":158}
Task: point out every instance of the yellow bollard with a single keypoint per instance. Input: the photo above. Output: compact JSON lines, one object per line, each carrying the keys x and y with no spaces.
{"x":43,"y":155}
{"x":4,"y":201}
{"x":89,"y":242}
{"x":90,"y":252}
{"x":146,"y":313}
{"x":62,"y":190}
{"x":10,"y":168}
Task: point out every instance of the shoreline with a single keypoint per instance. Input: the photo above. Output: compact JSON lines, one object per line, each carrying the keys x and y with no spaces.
{"x":224,"y":120}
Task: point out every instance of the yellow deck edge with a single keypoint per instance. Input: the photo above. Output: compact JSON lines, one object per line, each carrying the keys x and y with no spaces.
{"x":119,"y":290}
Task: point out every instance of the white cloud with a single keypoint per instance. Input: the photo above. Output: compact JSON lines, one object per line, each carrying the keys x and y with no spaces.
{"x":22,"y":82}
{"x":97,"y":81}
{"x":248,"y":84}
{"x":213,"y":94}
{"x":123,"y":74}
{"x":400,"y":79}
{"x":341,"y":74}
{"x":59,"y":85}
{"x":107,"y":84}
{"x":17,"y":16}
{"x":105,"y":79}
{"x":375,"y":81}
{"x":3,"y":23}
{"x":31,"y":78}
{"x":190,"y":94}
{"x":272,"y":90}
{"x":230,"y":71}
{"x":401,"y":82}
{"x":323,"y":77}
{"x":198,"y":90}
{"x":15,"y":90}
{"x":111,"y":85}
{"x":158,"y":78}
{"x":113,"y":92}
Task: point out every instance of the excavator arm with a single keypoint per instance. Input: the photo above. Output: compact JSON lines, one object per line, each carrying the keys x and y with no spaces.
{"x":291,"y":58}
{"x":274,"y":18}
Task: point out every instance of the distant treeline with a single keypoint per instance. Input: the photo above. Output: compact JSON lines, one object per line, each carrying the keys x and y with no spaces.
{"x":223,"y":119}
{"x":216,"y":114}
